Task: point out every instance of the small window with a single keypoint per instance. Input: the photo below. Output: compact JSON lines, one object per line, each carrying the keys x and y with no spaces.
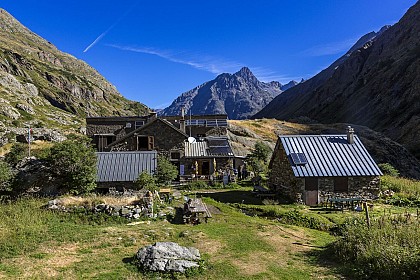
{"x":311,"y":184}
{"x":175,"y":155}
{"x":128,"y":125}
{"x":145,"y":143}
{"x":341,"y":184}
{"x":138,"y":124}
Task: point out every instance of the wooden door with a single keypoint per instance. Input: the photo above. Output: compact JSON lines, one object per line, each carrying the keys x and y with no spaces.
{"x":311,"y":191}
{"x":311,"y":198}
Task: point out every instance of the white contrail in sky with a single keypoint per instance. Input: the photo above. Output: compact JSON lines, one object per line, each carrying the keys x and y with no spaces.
{"x":109,"y":29}
{"x":96,"y":40}
{"x":207,"y":63}
{"x":202,"y":62}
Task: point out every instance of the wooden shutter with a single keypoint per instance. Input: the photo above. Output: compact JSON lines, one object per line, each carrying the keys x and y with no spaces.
{"x":341,"y":184}
{"x":311,"y":184}
{"x":151,"y":141}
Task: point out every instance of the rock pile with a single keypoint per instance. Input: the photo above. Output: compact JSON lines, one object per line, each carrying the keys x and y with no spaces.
{"x":126,"y":211}
{"x":167,"y":257}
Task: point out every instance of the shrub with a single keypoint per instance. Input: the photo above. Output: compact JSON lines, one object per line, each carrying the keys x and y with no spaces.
{"x":257,"y":160}
{"x":146,"y":181}
{"x":388,"y":169}
{"x":16,"y":154}
{"x":5,"y":174}
{"x":217,"y":185}
{"x":261,"y":151}
{"x":231,"y":185}
{"x":197,"y":185}
{"x":73,"y":162}
{"x":166,"y":171}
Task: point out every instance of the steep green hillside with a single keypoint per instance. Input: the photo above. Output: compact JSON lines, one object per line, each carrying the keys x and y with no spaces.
{"x":44,"y":86}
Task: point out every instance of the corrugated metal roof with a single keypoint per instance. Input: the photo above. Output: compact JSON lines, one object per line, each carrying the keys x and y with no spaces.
{"x":211,"y":147}
{"x":329,"y":156}
{"x":124,"y":166}
{"x":196,"y":149}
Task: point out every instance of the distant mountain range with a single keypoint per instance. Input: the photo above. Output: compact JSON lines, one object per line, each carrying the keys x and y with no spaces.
{"x":43,"y":86}
{"x":376,"y":84}
{"x":238,"y":95}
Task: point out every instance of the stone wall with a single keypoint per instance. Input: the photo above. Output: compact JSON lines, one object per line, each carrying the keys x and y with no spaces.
{"x":364,"y":187}
{"x":282,"y":179}
{"x":166,"y":139}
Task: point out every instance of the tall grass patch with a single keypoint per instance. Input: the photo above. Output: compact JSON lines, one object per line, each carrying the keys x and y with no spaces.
{"x":389,"y":249}
{"x":25,"y":225}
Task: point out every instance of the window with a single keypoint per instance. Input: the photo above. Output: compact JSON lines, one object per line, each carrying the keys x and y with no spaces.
{"x":138,"y":124}
{"x":341,"y":184}
{"x":311,"y":184}
{"x":104,"y":140}
{"x":145,"y":143}
{"x":175,"y":155}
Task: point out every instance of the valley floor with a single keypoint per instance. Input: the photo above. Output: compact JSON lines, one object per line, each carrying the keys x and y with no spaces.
{"x":39,"y":244}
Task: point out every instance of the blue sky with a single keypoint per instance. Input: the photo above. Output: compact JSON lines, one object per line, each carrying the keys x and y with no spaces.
{"x":153,"y":51}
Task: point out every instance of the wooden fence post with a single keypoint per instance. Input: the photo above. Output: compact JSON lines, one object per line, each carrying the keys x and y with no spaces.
{"x":367,"y":213}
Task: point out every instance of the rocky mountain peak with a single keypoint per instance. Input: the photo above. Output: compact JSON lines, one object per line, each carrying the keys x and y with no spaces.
{"x":246,"y":74}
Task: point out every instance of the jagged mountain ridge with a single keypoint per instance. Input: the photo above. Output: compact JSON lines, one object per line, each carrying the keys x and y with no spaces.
{"x":378,"y":85}
{"x":238,"y":95}
{"x":40,"y":84}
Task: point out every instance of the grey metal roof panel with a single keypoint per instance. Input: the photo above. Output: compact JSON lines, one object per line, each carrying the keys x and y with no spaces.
{"x":329,"y":156}
{"x":196,"y":149}
{"x":124,"y":166}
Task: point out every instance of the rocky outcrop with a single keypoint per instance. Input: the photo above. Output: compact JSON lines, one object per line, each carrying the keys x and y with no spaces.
{"x":39,"y":80}
{"x":12,"y":134}
{"x":238,"y":95}
{"x":167,"y":257}
{"x":377,"y":85}
{"x":33,"y":177}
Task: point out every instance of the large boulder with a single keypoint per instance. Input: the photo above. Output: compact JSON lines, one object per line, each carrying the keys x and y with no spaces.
{"x":167,"y":257}
{"x":33,"y":176}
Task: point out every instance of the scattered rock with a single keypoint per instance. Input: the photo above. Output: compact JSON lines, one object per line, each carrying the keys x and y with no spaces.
{"x":10,"y":112}
{"x":26,"y":108}
{"x":167,"y":257}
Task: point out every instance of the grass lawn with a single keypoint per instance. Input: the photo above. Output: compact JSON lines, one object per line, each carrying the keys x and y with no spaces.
{"x":39,"y":244}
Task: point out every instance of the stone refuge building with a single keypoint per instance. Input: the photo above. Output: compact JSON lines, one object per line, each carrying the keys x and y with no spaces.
{"x":313,"y":168}
{"x":197,"y":145}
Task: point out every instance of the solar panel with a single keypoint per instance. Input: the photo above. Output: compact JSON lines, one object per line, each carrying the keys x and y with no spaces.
{"x":298,"y":158}
{"x":221,"y":151}
{"x":217,"y":142}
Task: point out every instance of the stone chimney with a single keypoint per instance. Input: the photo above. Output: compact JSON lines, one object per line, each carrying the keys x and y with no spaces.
{"x":182,"y":112}
{"x":350,"y":135}
{"x":152,"y":115}
{"x":182,"y":120}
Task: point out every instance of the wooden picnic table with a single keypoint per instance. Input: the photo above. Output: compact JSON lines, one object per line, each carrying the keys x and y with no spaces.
{"x":197,"y":209}
{"x":345,"y":202}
